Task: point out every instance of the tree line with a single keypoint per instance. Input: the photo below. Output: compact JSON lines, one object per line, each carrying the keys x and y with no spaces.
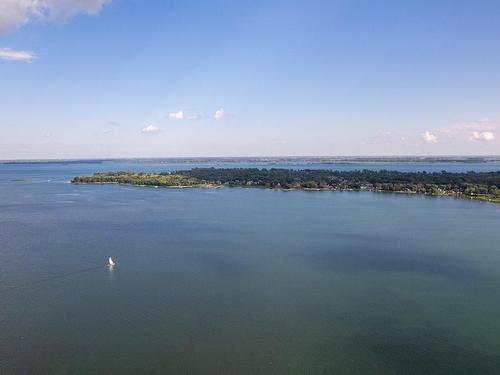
{"x":473,"y":184}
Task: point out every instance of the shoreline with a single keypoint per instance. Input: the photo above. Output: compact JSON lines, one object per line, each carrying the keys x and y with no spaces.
{"x":480,"y":198}
{"x":482,"y":186}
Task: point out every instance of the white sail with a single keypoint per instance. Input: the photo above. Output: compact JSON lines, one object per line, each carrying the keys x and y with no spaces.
{"x":110,"y":262}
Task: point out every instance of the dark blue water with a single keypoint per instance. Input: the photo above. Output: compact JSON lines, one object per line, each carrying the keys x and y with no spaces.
{"x":242,"y":281}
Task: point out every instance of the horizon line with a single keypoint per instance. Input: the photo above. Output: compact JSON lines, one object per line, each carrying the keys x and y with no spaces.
{"x":333,"y":157}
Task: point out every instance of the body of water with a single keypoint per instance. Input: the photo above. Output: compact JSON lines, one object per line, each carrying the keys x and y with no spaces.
{"x":244,"y":281}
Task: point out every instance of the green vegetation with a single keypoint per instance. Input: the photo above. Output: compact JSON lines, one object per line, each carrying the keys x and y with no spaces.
{"x":476,"y":185}
{"x":144,"y":179}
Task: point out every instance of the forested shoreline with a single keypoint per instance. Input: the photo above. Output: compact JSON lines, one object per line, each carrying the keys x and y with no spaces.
{"x":474,"y":185}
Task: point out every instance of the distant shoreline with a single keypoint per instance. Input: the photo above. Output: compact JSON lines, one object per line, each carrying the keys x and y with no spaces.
{"x":272,"y":159}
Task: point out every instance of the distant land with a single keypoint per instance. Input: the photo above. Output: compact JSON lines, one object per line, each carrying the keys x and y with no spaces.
{"x":280,"y":159}
{"x":483,"y":186}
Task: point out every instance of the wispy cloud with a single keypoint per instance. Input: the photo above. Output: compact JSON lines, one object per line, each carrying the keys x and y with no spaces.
{"x":219,"y":114}
{"x":483,"y":124}
{"x":482,"y":136}
{"x":150,"y":129}
{"x":429,"y":137}
{"x":462,"y":129}
{"x":13,"y":55}
{"x":16,"y":13}
{"x":279,"y":141}
{"x":481,"y":130}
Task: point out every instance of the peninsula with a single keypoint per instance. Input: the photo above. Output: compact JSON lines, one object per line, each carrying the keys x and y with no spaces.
{"x":474,"y":185}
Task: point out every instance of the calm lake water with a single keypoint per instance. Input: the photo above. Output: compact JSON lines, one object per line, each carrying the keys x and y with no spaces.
{"x":243,"y":281}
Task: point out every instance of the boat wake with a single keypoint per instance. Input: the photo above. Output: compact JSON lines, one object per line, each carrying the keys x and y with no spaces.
{"x":48,"y":279}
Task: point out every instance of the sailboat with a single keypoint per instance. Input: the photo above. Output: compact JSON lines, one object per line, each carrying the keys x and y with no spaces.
{"x":110,"y":262}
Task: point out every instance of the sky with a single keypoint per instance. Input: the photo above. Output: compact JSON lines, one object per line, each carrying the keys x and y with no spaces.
{"x":185,"y":78}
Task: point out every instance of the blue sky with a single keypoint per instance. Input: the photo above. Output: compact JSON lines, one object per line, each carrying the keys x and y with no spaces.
{"x":158,"y":78}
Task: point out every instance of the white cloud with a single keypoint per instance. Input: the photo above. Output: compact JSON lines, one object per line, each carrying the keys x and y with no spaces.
{"x":15,"y":13}
{"x":150,"y":129}
{"x":428,"y":137}
{"x":10,"y":54}
{"x":176,"y":115}
{"x":219,"y":114}
{"x":482,"y":136}
{"x":181,"y":115}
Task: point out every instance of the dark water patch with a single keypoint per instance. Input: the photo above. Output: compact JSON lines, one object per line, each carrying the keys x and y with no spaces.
{"x":424,"y":349}
{"x":220,"y":263}
{"x":40,"y":355}
{"x":356,"y":259}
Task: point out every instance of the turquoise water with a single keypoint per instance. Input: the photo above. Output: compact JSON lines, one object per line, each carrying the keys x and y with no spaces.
{"x":242,"y":281}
